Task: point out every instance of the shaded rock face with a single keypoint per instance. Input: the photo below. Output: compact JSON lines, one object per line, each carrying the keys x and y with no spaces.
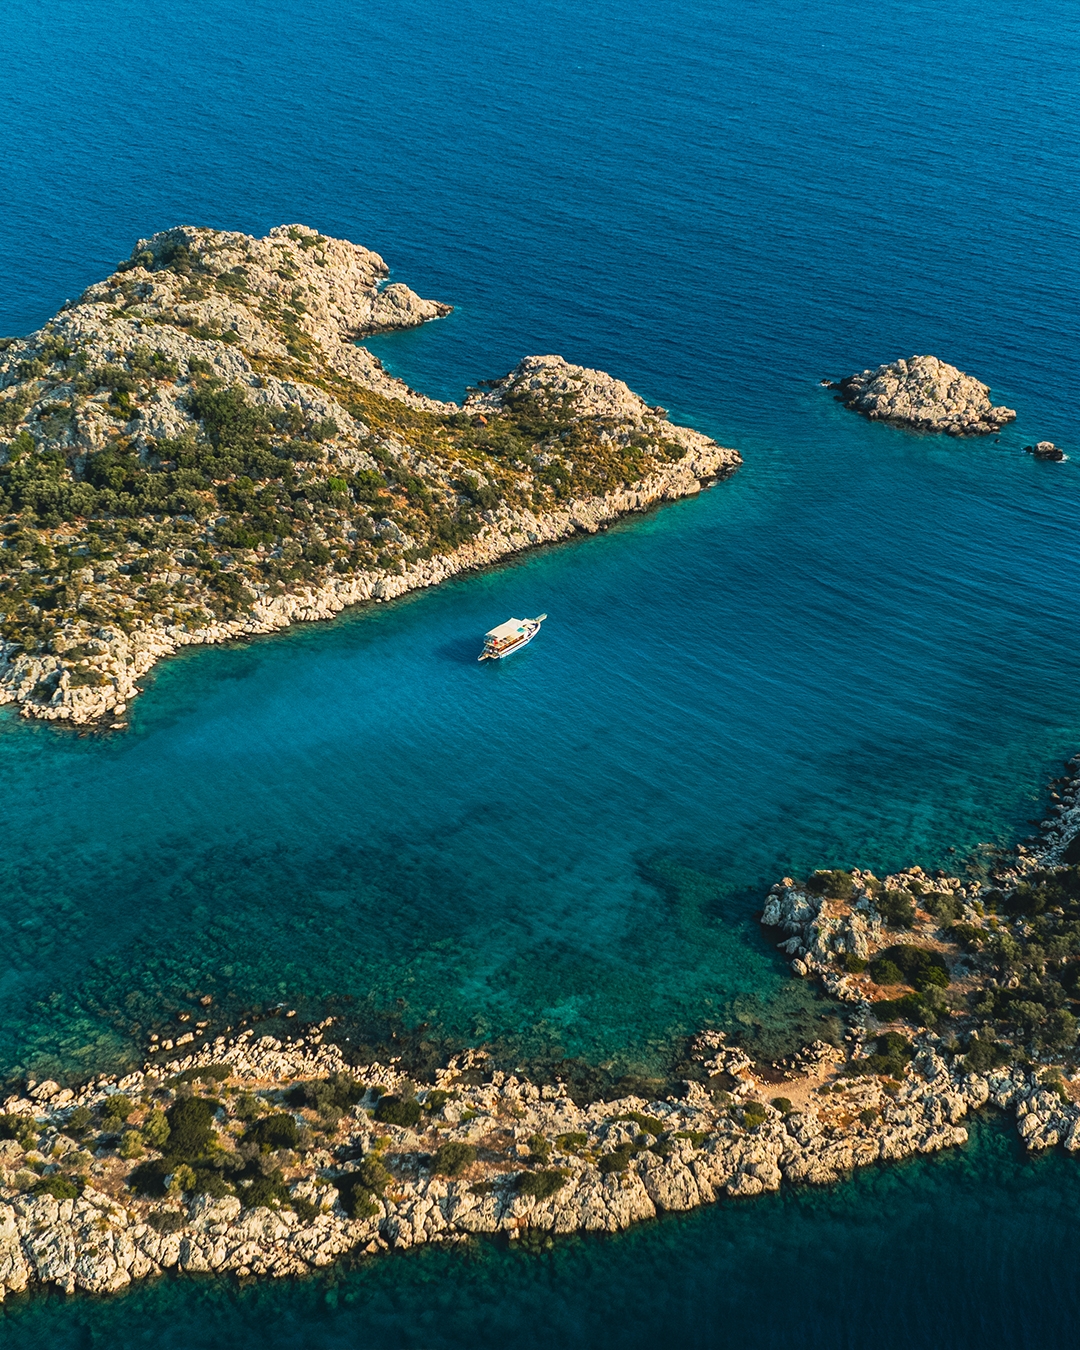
{"x":924,"y":394}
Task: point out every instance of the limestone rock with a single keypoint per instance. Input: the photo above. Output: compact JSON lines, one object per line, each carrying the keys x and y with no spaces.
{"x":924,"y":394}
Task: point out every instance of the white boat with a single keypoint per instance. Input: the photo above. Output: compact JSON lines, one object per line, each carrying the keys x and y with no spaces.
{"x":509,"y":637}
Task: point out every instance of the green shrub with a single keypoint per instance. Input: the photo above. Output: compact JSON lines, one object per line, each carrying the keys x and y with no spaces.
{"x":131,"y":1144}
{"x":618,"y":1160}
{"x":393,"y":1110}
{"x":649,"y":1124}
{"x":452,"y":1158}
{"x":276,"y":1131}
{"x":886,"y":972}
{"x":869,"y":1115}
{"x":266,"y":1192}
{"x":149,"y":1178}
{"x":210,"y":1073}
{"x":892,"y":1054}
{"x":191,"y":1128}
{"x":543,"y":1185}
{"x":835,"y":885}
{"x":60,"y":1188}
{"x":540,"y":1148}
{"x":183,"y":1178}
{"x":944,"y":906}
{"x":967,"y":935}
{"x":14,"y":1127}
{"x":1051,"y":1078}
{"x":782,"y":1104}
{"x":209,"y":1181}
{"x":910,"y":1008}
{"x":248,"y":1107}
{"x":165,"y":1221}
{"x":436,"y":1100}
{"x":983,"y":1055}
{"x":156,"y":1129}
{"x":754,"y":1114}
{"x":572,"y":1142}
{"x":358,"y":1188}
{"x":305,"y":1210}
{"x":77,"y":1121}
{"x":338,"y":1092}
{"x":116,"y":1109}
{"x":913,"y":965}
{"x":896,"y":908}
{"x":372,"y":1174}
{"x":854,"y":965}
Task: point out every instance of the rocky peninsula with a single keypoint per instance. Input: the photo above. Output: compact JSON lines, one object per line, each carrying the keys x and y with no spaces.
{"x":197,"y":450}
{"x":924,"y":394}
{"x":279,"y":1155}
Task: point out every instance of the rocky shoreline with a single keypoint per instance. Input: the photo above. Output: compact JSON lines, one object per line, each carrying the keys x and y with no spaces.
{"x":267,"y":1156}
{"x":923,"y":394}
{"x":506,"y":532}
{"x":197,"y":451}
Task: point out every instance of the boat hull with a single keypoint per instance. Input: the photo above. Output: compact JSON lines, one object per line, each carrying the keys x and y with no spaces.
{"x":501,"y":653}
{"x":516,"y":647}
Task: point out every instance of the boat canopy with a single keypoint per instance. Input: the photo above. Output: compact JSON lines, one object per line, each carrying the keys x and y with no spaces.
{"x":511,"y":628}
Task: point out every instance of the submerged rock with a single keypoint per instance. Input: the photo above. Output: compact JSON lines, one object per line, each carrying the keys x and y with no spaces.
{"x":924,"y":394}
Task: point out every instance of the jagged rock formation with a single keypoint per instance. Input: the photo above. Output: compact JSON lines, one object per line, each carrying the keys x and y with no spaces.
{"x":301,"y":1162}
{"x":924,"y":394}
{"x":196,"y":450}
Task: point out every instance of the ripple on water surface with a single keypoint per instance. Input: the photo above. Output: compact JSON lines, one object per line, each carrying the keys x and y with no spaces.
{"x":829,"y":659}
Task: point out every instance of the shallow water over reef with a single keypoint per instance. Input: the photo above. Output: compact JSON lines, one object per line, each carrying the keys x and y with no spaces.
{"x":827,"y":659}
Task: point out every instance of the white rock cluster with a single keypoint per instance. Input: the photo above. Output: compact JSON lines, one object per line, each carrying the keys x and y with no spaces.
{"x":924,"y":394}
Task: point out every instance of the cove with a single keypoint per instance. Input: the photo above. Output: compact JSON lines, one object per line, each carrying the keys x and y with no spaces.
{"x":860,"y":649}
{"x":829,"y":659}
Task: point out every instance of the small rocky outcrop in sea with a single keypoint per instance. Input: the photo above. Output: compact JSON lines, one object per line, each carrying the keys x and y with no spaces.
{"x":924,"y":394}
{"x":1046,"y":450}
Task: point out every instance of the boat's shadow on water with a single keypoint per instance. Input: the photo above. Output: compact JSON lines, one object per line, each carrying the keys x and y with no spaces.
{"x":460,"y":651}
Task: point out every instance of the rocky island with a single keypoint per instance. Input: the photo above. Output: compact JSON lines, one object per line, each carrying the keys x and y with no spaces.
{"x":197,"y":450}
{"x":278,"y":1155}
{"x":924,"y":394}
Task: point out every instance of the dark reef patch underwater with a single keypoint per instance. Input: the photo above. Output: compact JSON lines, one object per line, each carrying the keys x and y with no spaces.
{"x":861,"y":650}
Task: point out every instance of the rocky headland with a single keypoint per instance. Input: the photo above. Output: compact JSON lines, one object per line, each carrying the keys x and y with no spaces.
{"x":924,"y":394}
{"x":197,"y":450}
{"x":264,"y":1155}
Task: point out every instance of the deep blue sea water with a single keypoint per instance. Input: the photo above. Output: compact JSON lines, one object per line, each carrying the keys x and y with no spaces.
{"x":861,"y":649}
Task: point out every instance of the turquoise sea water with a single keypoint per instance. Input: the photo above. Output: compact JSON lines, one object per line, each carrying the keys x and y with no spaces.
{"x":861,"y":649}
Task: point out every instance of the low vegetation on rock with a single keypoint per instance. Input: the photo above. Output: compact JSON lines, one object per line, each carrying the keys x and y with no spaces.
{"x":197,"y":448}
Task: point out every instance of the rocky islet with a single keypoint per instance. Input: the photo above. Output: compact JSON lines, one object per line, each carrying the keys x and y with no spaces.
{"x":197,"y":450}
{"x":923,"y":393}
